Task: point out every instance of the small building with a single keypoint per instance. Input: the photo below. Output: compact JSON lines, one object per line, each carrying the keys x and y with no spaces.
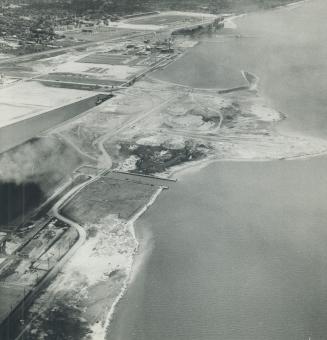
{"x":166,"y":50}
{"x":87,"y":30}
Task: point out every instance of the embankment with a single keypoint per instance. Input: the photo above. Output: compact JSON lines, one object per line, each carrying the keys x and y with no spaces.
{"x":22,"y":131}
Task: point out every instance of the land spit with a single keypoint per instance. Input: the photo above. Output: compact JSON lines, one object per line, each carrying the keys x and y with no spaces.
{"x":150,"y":128}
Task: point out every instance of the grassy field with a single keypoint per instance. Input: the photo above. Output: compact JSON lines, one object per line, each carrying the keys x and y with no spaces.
{"x":105,"y":58}
{"x":112,"y":59}
{"x":108,"y":196}
{"x":79,"y":79}
{"x":165,"y":20}
{"x":10,"y":296}
{"x":99,"y":35}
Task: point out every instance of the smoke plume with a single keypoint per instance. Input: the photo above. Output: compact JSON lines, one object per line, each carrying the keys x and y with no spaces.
{"x":45,"y":160}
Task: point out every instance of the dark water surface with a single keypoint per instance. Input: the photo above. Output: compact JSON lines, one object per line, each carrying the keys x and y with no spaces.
{"x":239,"y":249}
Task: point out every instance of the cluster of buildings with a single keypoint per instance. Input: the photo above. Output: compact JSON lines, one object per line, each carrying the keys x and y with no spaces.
{"x":24,"y":29}
{"x":150,"y":46}
{"x":22,"y":33}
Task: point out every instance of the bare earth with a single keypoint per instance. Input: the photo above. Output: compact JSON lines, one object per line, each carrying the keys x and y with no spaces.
{"x":150,"y":128}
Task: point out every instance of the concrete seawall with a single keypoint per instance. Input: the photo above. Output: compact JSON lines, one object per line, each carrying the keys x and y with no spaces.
{"x":21,"y":131}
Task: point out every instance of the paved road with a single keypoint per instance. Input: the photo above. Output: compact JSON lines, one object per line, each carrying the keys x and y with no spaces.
{"x":81,"y":239}
{"x":25,"y":58}
{"x":105,"y":138}
{"x":75,"y":147}
{"x":68,"y":196}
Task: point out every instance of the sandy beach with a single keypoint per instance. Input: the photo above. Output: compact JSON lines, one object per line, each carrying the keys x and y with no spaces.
{"x":160,"y":128}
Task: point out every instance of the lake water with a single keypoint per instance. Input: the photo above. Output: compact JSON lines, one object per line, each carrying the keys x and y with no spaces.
{"x":238,"y":250}
{"x":285,"y":48}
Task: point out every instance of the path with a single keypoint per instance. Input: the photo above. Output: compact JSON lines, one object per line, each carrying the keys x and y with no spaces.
{"x":81,"y":239}
{"x":108,"y":136}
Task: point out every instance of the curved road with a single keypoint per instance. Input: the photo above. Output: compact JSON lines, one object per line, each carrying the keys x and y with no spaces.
{"x":100,"y":142}
{"x":68,"y":196}
{"x":81,"y":239}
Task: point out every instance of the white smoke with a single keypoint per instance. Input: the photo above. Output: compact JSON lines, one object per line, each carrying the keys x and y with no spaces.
{"x":35,"y":160}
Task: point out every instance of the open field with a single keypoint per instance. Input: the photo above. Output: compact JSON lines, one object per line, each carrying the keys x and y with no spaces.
{"x":18,"y":111}
{"x":106,"y":207}
{"x":105,"y":33}
{"x":93,"y":70}
{"x":112,"y":59}
{"x":24,"y":100}
{"x":108,"y":196}
{"x":79,"y":79}
{"x":11,"y":295}
{"x":105,"y":58}
{"x":167,"y":19}
{"x":17,"y":130}
{"x":153,"y":127}
{"x":87,"y":290}
{"x":86,"y":131}
{"x":138,"y":178}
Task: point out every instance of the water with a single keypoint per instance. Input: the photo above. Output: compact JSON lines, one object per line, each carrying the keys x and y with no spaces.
{"x":238,"y":250}
{"x":286,"y":48}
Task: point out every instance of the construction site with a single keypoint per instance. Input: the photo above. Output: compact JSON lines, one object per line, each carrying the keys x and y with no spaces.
{"x":42,"y":95}
{"x":95,"y":136}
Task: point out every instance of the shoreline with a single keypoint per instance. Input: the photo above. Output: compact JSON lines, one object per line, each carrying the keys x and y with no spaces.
{"x":103,"y":328}
{"x":292,"y":4}
{"x":231,"y":19}
{"x":102,"y":333}
{"x":190,"y":167}
{"x":184,"y":169}
{"x":195,"y":166}
{"x":181,"y":170}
